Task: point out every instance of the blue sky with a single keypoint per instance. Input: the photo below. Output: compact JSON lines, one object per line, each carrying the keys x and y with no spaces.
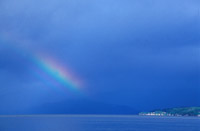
{"x":139,"y":53}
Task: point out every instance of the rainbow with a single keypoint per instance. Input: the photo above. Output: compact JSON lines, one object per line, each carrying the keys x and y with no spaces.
{"x":54,"y":74}
{"x":45,"y":68}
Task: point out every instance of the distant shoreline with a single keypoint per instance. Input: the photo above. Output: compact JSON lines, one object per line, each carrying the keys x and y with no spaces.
{"x":178,"y":112}
{"x":87,"y":115}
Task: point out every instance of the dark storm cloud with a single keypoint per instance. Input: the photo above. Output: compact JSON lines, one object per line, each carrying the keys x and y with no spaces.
{"x":128,"y":48}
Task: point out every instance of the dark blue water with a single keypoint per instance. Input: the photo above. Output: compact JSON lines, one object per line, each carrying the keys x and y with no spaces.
{"x":98,"y":123}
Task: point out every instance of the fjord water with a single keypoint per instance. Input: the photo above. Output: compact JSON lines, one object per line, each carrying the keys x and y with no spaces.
{"x":98,"y":123}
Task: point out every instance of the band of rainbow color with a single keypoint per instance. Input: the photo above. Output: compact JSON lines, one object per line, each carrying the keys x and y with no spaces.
{"x":45,"y":67}
{"x":56,"y":74}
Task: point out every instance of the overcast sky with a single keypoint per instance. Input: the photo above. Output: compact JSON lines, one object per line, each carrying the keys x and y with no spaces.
{"x":140,"y":53}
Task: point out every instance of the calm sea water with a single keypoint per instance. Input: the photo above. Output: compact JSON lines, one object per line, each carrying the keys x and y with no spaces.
{"x":98,"y":123}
